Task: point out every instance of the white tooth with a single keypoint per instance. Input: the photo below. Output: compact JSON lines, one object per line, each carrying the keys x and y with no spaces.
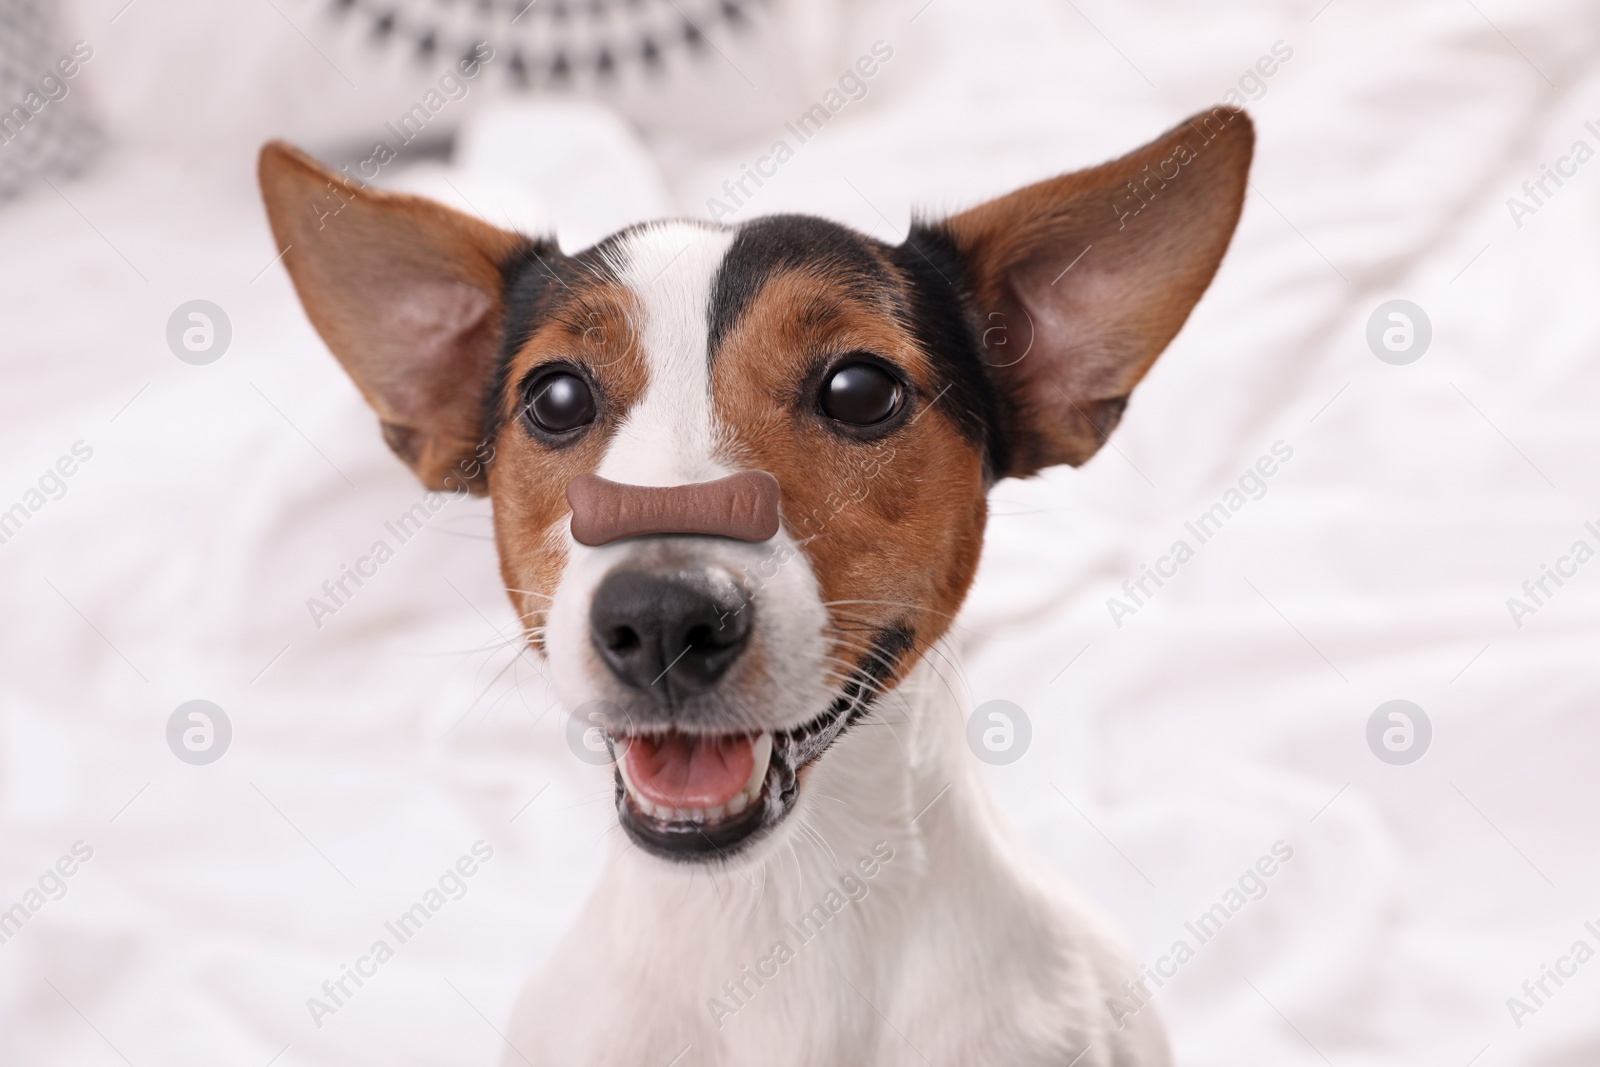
{"x":710,"y":814}
{"x":761,"y":751}
{"x":739,"y":803}
{"x":640,"y":801}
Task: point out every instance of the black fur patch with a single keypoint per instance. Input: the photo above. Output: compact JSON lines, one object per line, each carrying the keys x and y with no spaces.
{"x":874,"y":669}
{"x":537,"y":279}
{"x":938,"y":316}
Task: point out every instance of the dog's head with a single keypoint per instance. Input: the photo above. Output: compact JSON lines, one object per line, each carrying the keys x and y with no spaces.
{"x":727,"y":630}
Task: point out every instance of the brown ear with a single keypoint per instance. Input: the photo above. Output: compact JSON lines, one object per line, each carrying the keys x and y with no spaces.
{"x":408,"y":295}
{"x":1082,"y":280}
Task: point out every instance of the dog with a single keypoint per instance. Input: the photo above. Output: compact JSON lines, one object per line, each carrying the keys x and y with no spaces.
{"x":739,"y":478}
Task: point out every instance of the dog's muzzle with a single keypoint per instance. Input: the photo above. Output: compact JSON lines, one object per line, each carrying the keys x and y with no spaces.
{"x":700,"y":773}
{"x":692,"y":773}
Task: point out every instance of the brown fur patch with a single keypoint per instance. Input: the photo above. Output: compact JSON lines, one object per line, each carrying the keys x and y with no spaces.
{"x":893,"y":527}
{"x":592,"y":327}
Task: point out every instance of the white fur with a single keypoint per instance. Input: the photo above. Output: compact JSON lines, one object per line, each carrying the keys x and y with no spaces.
{"x":960,"y":952}
{"x":670,"y":437}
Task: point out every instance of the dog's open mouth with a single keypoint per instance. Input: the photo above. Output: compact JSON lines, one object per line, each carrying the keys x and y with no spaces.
{"x":704,"y":796}
{"x":705,"y":780}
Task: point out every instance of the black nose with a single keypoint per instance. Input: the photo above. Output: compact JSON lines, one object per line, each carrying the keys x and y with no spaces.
{"x":668,"y":632}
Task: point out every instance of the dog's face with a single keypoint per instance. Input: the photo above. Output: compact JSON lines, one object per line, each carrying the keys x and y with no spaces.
{"x":885,"y":388}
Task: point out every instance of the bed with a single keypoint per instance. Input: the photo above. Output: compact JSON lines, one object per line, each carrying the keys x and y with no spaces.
{"x":1180,"y":732}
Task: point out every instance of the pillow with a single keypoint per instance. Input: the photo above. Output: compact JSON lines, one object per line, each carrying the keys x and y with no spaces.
{"x":44,"y":131}
{"x":198,"y":78}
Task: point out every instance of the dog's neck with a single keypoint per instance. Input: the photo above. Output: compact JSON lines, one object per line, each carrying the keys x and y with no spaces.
{"x":887,"y":925}
{"x":895,"y":846}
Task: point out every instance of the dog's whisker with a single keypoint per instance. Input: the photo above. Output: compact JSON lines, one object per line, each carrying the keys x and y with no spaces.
{"x":491,"y":647}
{"x":820,"y":841}
{"x":893,"y":665}
{"x":799,"y":876}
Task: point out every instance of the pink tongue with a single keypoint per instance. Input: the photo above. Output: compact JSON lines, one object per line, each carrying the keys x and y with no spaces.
{"x":678,"y":771}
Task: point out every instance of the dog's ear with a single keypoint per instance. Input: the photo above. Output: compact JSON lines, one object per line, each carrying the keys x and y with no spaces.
{"x":1082,"y":280}
{"x":408,"y":295}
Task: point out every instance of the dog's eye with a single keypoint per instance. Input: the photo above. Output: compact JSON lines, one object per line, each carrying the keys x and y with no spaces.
{"x":560,"y":402}
{"x":860,"y":394}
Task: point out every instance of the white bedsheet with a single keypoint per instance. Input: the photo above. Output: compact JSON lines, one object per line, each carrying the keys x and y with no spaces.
{"x":1169,"y":753}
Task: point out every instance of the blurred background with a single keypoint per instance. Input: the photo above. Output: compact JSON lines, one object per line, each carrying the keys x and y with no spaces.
{"x":1407,"y":311}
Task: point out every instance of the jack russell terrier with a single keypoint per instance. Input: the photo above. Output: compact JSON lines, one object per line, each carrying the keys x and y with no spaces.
{"x":739,"y":478}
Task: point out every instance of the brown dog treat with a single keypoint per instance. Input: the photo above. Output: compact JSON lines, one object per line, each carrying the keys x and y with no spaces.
{"x":742,"y":506}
